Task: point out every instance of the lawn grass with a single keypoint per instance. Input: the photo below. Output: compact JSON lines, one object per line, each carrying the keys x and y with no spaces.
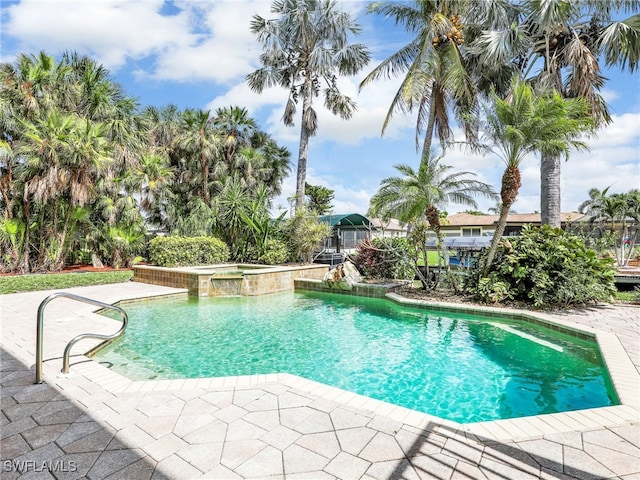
{"x":628,"y":296}
{"x":32,"y":283}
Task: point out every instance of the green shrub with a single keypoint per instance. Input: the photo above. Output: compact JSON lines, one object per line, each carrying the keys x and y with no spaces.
{"x":275,"y":252}
{"x":384,"y":258}
{"x":305,"y":233}
{"x":180,"y":251}
{"x":545,"y":267}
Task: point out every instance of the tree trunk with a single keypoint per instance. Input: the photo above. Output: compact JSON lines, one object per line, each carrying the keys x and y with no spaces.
{"x":205,"y":178}
{"x":25,"y":266}
{"x":428,"y":134}
{"x":59,"y":257}
{"x":303,"y":151}
{"x":550,"y":190}
{"x":511,"y":181}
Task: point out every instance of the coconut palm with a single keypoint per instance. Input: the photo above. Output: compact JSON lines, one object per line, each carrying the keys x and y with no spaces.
{"x":435,"y":72}
{"x":527,"y":123}
{"x":563,"y":44}
{"x":305,"y":49}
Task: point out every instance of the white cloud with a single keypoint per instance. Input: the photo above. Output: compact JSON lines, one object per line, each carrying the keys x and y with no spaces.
{"x":228,"y":50}
{"x":366,"y":122}
{"x":210,"y":42}
{"x":113,"y":31}
{"x":346,"y":200}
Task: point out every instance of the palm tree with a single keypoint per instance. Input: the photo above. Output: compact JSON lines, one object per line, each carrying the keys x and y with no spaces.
{"x":203,"y":143}
{"x":424,"y":192}
{"x":306,"y":46}
{"x":67,"y":129}
{"x":236,"y":129}
{"x":563,"y":44}
{"x":527,"y":123}
{"x":622,"y":209}
{"x":602,"y":208}
{"x":421,"y":194}
{"x":278,"y":160}
{"x":436,"y":76}
{"x":151,"y":180}
{"x":497,"y":208}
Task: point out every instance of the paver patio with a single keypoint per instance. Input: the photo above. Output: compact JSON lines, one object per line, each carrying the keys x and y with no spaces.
{"x":96,"y":424}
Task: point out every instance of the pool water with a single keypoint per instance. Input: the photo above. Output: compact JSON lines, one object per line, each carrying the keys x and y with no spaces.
{"x":461,"y":367}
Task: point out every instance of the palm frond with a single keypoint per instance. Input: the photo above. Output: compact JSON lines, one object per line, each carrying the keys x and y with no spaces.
{"x":621,"y":43}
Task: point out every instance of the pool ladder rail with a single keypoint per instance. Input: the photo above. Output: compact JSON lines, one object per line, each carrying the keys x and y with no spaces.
{"x":67,"y":350}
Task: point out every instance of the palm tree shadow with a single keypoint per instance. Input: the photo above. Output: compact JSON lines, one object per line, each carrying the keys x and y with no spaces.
{"x":62,"y":439}
{"x":477,"y":457}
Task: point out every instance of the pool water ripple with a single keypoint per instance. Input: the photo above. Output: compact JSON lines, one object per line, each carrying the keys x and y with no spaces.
{"x":462,"y":368}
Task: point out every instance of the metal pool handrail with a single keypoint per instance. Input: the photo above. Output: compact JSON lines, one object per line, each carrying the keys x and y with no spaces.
{"x":67,"y":350}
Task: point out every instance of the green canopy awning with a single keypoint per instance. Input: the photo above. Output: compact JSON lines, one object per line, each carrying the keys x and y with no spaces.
{"x":346,"y":220}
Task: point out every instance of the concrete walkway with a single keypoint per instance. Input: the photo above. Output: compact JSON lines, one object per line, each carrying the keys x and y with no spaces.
{"x":96,"y":424}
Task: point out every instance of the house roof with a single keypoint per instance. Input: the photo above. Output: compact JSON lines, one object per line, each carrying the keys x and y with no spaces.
{"x":347,"y":219}
{"x":393,"y":224}
{"x":469,"y":220}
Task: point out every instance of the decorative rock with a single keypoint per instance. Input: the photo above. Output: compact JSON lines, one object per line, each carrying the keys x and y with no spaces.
{"x":342,"y":277}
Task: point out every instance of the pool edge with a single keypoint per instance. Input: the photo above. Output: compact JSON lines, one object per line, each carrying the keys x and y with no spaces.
{"x":624,"y":376}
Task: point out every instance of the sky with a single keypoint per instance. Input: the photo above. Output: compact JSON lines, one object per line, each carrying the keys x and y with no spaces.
{"x":196,"y":54}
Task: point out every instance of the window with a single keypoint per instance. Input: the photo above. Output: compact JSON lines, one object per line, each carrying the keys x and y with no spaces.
{"x":348,"y":238}
{"x":471,"y":232}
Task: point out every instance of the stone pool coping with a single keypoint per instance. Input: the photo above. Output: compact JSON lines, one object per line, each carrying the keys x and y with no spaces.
{"x":625,"y":378}
{"x":602,"y":442}
{"x":201,"y":281}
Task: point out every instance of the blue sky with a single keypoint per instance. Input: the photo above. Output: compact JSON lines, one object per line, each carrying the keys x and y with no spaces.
{"x":197,"y":54}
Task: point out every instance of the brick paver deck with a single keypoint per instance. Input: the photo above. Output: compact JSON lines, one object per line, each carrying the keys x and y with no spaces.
{"x":96,"y":424}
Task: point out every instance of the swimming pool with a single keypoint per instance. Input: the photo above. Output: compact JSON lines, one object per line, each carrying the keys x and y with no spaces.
{"x":461,"y":367}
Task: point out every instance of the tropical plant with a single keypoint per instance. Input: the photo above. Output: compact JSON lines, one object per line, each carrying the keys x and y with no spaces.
{"x":236,"y":128}
{"x":264,"y":232}
{"x":560,"y":44}
{"x":545,"y":267}
{"x":305,"y":233}
{"x":527,"y":123}
{"x":436,"y":77}
{"x":305,"y":45}
{"x":203,"y":145}
{"x":319,"y":199}
{"x":422,"y":194}
{"x":68,"y":133}
{"x":616,"y":217}
{"x":385,"y":258}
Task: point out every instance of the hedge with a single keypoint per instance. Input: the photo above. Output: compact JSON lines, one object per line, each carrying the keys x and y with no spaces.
{"x":182,"y":251}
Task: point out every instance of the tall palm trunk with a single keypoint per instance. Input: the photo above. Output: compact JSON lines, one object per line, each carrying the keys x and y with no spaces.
{"x":303,"y":151}
{"x":204,"y":165}
{"x":431,"y":124}
{"x":26,"y":247}
{"x":550,"y":190}
{"x":433,"y":216}
{"x":60,"y":253}
{"x":511,"y":181}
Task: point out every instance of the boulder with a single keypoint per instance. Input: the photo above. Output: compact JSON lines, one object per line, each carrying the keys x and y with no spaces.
{"x":342,"y":277}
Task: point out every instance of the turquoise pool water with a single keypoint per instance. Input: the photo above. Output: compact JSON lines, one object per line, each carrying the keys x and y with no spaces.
{"x":461,"y":367}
